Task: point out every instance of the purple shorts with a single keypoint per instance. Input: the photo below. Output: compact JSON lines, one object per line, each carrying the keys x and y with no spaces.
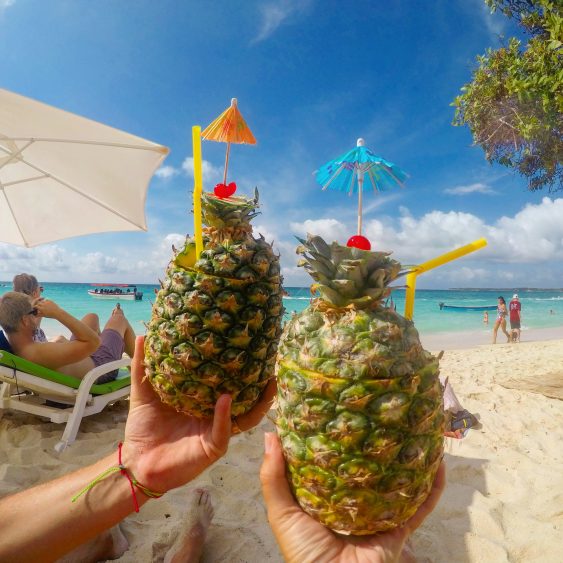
{"x":110,"y":349}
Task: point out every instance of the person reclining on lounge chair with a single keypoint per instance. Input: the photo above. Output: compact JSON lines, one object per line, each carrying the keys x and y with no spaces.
{"x":28,"y":284}
{"x":87,"y":348}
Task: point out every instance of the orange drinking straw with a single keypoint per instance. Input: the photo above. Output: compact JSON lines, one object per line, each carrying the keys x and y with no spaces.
{"x":196,"y":142}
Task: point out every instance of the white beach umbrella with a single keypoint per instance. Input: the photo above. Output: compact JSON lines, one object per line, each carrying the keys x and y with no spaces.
{"x":62,"y":175}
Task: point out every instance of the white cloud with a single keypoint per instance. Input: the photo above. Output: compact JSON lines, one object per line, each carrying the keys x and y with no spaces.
{"x":523,"y":249}
{"x":211,"y":174}
{"x":273,"y":15}
{"x":329,"y":229}
{"x":166,"y":172}
{"x":97,"y":263}
{"x":534,"y":235}
{"x":494,"y":22}
{"x":6,"y":4}
{"x":380,"y":201}
{"x":478,"y":187}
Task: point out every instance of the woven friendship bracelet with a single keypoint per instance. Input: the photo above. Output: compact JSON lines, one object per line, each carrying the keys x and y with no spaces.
{"x":132,"y":482}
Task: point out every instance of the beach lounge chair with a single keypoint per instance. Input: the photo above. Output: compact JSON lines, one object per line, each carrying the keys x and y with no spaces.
{"x":37,"y":390}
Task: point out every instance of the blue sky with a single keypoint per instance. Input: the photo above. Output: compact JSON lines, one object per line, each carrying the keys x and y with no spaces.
{"x":311,"y":77}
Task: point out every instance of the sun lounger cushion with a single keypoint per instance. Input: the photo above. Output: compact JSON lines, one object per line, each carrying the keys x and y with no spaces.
{"x":15,"y":362}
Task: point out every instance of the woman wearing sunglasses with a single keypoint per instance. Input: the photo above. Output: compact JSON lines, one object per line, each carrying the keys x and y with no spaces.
{"x":28,"y":284}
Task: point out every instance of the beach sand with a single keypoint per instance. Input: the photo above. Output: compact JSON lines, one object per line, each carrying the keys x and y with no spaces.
{"x":503,"y":501}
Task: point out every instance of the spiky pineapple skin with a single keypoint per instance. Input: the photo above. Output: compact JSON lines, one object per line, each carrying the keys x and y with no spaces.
{"x":359,"y":405}
{"x":216,"y":322}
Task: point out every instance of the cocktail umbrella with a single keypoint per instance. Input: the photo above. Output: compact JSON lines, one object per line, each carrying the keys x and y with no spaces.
{"x":229,"y":127}
{"x":62,"y":175}
{"x":355,"y":169}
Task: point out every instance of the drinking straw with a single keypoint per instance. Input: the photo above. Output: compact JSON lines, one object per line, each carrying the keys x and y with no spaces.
{"x":434,"y":263}
{"x":196,"y":142}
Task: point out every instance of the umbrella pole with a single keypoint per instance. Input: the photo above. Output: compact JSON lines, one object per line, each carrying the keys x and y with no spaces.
{"x":226,"y":163}
{"x":360,"y":185}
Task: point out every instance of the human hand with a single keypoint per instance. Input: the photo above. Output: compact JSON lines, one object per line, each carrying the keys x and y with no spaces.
{"x":46,"y":308}
{"x":302,"y":539}
{"x":165,"y":449}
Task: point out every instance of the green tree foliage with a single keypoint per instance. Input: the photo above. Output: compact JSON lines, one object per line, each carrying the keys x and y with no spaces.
{"x":514,"y":104}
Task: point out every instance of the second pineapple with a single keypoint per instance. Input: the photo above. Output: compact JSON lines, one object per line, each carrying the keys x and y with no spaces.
{"x":216,"y":321}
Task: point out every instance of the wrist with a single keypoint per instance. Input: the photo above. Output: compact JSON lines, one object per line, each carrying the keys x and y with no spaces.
{"x":148,"y":480}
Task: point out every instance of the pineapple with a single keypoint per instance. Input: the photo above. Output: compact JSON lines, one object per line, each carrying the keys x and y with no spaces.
{"x":360,"y":412}
{"x":216,"y":322}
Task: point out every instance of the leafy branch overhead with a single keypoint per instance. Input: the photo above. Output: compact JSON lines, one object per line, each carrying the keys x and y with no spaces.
{"x":514,"y":104}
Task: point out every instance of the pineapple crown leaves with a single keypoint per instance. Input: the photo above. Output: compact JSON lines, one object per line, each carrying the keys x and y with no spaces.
{"x":347,"y":276}
{"x":231,"y":212}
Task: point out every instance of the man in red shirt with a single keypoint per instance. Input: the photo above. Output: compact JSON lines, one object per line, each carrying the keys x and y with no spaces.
{"x":515,"y":309}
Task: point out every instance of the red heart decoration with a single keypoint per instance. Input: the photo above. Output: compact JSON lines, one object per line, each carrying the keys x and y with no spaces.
{"x":358,"y":241}
{"x":222,"y":191}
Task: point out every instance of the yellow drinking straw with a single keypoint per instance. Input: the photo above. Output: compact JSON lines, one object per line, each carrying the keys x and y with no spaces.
{"x":434,"y":263}
{"x":196,"y":142}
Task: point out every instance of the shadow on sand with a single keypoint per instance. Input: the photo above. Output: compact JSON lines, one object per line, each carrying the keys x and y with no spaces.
{"x":442,"y":539}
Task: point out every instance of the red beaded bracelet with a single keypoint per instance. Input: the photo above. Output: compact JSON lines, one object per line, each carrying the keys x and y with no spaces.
{"x":132,"y":482}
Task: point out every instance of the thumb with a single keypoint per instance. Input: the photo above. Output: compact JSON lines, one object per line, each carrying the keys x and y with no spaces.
{"x":141,"y":389}
{"x":275,"y":487}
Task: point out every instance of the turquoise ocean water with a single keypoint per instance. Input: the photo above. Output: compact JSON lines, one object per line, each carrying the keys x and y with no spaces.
{"x":536,"y":306}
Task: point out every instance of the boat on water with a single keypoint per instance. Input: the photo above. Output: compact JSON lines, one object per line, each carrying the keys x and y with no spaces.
{"x":125,"y":291}
{"x":460,"y":308}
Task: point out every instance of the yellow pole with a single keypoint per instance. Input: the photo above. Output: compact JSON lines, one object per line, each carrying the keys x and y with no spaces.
{"x":452,"y":255}
{"x":434,"y":263}
{"x":196,"y":142}
{"x":409,"y":295}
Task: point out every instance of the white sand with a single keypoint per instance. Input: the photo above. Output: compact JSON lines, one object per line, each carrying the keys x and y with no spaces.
{"x":504,"y":496}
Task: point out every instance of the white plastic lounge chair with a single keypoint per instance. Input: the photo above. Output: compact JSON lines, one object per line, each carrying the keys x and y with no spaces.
{"x":29,"y":388}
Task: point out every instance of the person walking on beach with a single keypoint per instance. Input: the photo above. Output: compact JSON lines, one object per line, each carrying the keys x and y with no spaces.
{"x":500,"y":321}
{"x":515,"y":308}
{"x":87,"y":348}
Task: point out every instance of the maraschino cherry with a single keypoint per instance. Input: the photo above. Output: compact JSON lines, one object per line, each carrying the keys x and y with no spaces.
{"x":358,"y":241}
{"x":223,"y":190}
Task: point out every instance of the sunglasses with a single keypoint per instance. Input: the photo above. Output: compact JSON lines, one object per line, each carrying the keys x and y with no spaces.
{"x":33,"y":312}
{"x":41,"y":288}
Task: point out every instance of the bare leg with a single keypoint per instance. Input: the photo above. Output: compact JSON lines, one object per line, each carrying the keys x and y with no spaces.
{"x":503,"y":326}
{"x":108,"y":545}
{"x":188,"y":546}
{"x":495,"y":330}
{"x":120,"y":324}
{"x":93,"y":321}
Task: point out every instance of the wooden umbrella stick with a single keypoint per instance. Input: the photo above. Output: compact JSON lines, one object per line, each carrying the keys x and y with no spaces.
{"x":360,"y":184}
{"x":226,"y":163}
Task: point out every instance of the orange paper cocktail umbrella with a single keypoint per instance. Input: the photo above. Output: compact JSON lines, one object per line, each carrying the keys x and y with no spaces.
{"x":229,"y":127}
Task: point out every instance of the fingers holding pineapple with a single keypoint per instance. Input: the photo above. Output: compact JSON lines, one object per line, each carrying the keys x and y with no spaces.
{"x":302,"y":538}
{"x":166,"y":449}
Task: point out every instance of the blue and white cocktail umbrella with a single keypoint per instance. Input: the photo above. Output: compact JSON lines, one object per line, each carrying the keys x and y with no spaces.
{"x":358,"y":168}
